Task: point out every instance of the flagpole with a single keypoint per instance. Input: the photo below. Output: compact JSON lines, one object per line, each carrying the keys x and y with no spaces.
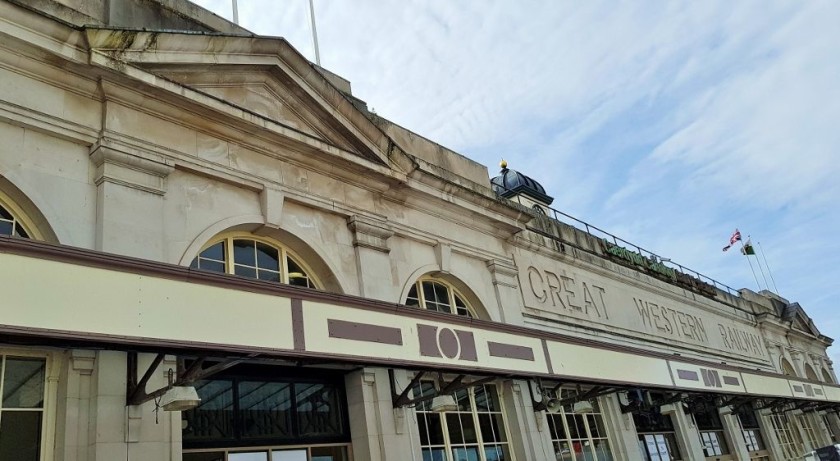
{"x":751,"y":266}
{"x":761,"y":269}
{"x":314,"y":32}
{"x":763,"y":255}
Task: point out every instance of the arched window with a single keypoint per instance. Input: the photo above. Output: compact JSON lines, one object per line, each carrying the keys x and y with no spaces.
{"x":438,"y":295}
{"x":810,"y":373}
{"x":10,"y":224}
{"x":787,"y":368}
{"x":253,"y":257}
{"x":827,"y":376}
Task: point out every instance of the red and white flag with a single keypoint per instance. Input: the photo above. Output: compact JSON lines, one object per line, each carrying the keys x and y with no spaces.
{"x":736,"y":236}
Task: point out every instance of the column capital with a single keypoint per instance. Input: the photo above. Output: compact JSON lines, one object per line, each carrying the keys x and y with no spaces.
{"x":370,"y":232}
{"x":127,"y":166}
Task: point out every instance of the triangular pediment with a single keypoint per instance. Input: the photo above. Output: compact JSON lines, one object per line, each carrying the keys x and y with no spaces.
{"x":260,"y":91}
{"x":262,"y":76}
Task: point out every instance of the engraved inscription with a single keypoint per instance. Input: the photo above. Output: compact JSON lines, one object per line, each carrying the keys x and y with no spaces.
{"x":567,"y":293}
{"x":741,"y":341}
{"x":671,"y":322}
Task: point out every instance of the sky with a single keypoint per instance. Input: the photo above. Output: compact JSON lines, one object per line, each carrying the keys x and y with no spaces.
{"x":669,"y":124}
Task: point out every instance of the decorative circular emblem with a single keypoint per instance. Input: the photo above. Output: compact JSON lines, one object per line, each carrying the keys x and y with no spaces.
{"x":448,"y":343}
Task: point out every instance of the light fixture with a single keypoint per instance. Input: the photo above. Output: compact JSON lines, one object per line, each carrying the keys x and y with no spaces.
{"x":443,"y":403}
{"x":180,"y":398}
{"x":584,"y":406}
{"x":553,"y":405}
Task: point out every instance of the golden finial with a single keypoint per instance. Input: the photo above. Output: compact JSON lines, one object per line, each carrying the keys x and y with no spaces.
{"x":503,"y":164}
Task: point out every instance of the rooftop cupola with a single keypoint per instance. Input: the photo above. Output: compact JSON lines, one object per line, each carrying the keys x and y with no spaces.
{"x":512,"y":184}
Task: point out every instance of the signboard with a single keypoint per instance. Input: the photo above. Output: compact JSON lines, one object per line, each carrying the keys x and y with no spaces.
{"x":558,"y":291}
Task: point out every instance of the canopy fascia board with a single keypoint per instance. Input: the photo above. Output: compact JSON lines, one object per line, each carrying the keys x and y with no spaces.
{"x":86,"y":296}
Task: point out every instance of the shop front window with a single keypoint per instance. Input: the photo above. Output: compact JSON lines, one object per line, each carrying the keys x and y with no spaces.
{"x":810,"y":434}
{"x":282,"y":418}
{"x":710,"y":428}
{"x":657,"y":437}
{"x":752,"y":432}
{"x":476,"y":431}
{"x":21,"y":407}
{"x":578,"y":432}
{"x":788,"y":435}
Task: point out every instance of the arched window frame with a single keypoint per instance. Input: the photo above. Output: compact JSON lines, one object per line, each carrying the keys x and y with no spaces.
{"x":786,"y":367}
{"x":455,"y":297}
{"x":284,"y":253}
{"x":827,"y":376}
{"x":19,"y":218}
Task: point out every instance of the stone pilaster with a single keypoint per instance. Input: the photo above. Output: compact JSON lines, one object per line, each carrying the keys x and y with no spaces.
{"x":130,"y":186}
{"x":370,"y":240}
{"x":733,"y":432}
{"x":687,"y":435}
{"x":506,"y":286}
{"x":380,"y":432}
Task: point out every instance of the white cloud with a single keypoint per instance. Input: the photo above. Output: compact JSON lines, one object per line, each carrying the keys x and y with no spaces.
{"x":669,"y":124}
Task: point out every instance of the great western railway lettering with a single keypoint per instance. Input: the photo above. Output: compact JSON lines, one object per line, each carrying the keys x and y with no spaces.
{"x":741,"y":341}
{"x":671,"y":322}
{"x":566,"y":293}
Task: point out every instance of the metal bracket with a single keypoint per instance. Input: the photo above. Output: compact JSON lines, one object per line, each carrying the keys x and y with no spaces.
{"x":136,"y":389}
{"x":457,"y":384}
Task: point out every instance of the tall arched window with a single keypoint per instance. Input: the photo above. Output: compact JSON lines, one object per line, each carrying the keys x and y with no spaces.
{"x":787,"y":368}
{"x":438,"y":295}
{"x":827,"y":376}
{"x":810,"y":373}
{"x":10,"y":224}
{"x":253,"y":257}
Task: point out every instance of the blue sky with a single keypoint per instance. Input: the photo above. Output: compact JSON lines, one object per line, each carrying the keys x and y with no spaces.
{"x":668,"y":124}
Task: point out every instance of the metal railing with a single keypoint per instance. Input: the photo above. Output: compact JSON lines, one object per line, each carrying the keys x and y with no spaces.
{"x":597,"y":232}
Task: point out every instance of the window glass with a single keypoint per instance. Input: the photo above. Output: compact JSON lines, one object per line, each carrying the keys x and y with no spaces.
{"x":328,"y":454}
{"x":475,"y":431}
{"x":788,"y":436}
{"x":212,"y":419}
{"x":23,"y":383}
{"x":10,"y":225}
{"x":577,"y":436}
{"x":439,"y":296}
{"x":254,"y":259}
{"x":243,"y":411}
{"x":265,"y":409}
{"x":21,"y":407}
{"x":288,"y":455}
{"x":20,"y":435}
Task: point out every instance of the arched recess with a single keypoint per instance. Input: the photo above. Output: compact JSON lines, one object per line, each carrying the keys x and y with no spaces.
{"x":827,"y":376}
{"x":810,"y":373}
{"x":312,"y":256}
{"x":431,"y":272}
{"x":786,"y":367}
{"x":25,"y":210}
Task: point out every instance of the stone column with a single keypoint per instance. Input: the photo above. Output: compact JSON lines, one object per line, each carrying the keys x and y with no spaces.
{"x":71,"y":439}
{"x":624,"y":440}
{"x":130,"y":186}
{"x":370,"y":239}
{"x":380,"y":432}
{"x":531,"y":437}
{"x":687,"y":436}
{"x":734,"y":435}
{"x":507,"y":291}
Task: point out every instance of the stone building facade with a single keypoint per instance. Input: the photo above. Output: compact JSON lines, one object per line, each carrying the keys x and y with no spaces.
{"x":187,"y":209}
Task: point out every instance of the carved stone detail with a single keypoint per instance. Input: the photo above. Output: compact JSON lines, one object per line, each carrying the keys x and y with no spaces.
{"x":370,"y":233}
